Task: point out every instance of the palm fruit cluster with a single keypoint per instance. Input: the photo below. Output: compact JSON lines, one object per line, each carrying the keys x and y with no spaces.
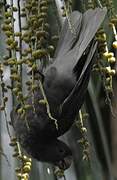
{"x":23,"y":171}
{"x":108,"y":57}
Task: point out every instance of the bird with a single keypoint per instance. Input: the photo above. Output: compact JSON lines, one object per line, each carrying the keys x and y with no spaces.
{"x":65,"y":83}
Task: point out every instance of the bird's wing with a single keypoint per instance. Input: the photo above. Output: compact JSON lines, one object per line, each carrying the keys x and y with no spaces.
{"x":69,"y":33}
{"x":91,"y":21}
{"x":76,"y":97}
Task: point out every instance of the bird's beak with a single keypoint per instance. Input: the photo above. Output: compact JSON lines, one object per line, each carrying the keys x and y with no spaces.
{"x":65,"y":163}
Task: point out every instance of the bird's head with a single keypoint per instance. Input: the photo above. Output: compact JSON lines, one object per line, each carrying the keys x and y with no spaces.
{"x":64,"y":155}
{"x":57,"y":153}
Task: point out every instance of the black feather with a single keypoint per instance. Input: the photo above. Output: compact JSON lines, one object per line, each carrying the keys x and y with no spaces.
{"x":65,"y":83}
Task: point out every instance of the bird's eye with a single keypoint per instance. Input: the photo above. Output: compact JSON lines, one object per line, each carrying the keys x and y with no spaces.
{"x":62,"y":151}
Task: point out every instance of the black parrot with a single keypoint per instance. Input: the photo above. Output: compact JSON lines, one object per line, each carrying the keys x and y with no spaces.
{"x":65,"y":84}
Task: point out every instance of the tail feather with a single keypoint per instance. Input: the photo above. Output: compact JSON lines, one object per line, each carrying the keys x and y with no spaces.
{"x":69,"y":34}
{"x":91,"y":22}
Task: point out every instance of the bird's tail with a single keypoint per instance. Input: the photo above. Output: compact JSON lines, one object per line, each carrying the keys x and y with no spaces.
{"x":86,"y":26}
{"x":69,"y":33}
{"x":91,"y":21}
